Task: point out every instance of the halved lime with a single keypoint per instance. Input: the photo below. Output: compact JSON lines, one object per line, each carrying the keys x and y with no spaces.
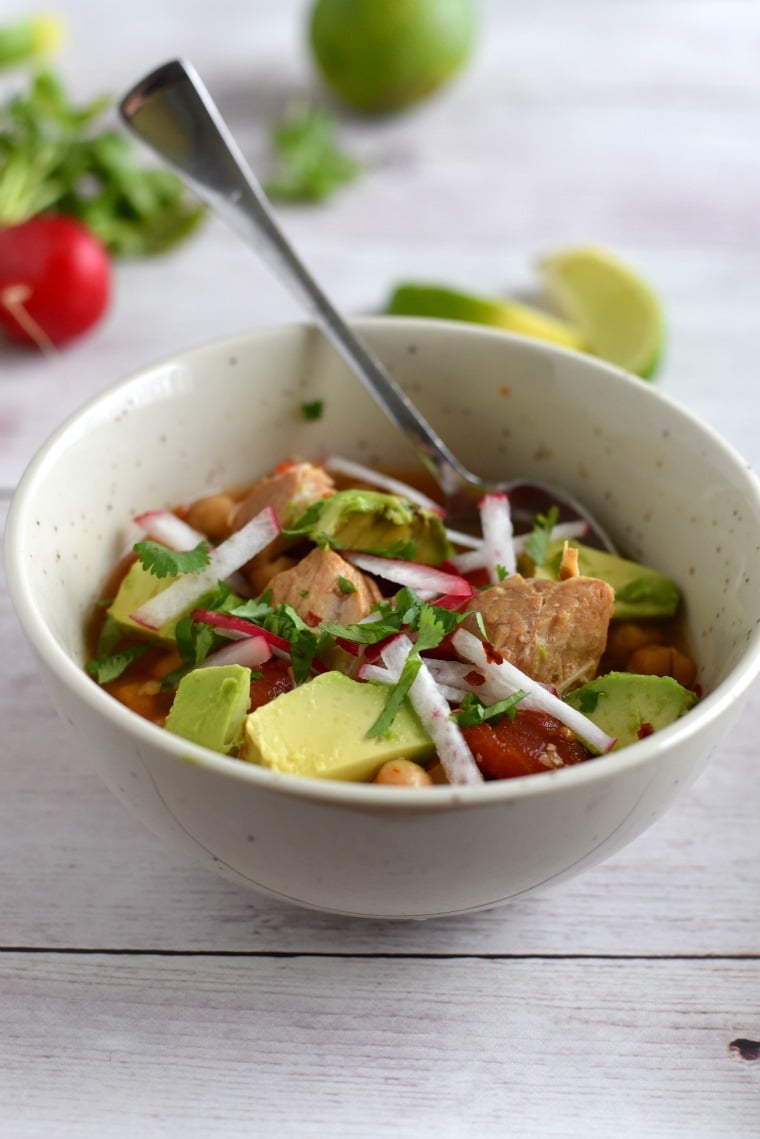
{"x":449,"y":304}
{"x":617,"y":312}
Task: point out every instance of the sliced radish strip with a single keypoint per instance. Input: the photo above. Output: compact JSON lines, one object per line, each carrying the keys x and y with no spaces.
{"x":496,"y":521}
{"x":505,"y":679}
{"x":164,"y":527}
{"x":412,"y":574}
{"x":352,"y":470}
{"x":470,"y":560}
{"x":225,"y":559}
{"x":250,"y":652}
{"x":375,"y":672}
{"x":456,"y":674}
{"x":434,"y":712}
{"x":459,"y":538}
{"x":239,"y":627}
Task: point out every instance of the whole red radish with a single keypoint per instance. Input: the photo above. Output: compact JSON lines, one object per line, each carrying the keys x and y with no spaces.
{"x":55,"y":280}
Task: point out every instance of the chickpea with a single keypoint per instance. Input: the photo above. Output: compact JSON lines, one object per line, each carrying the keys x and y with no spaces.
{"x":403,"y":773}
{"x":625,"y":637}
{"x":663,"y":660}
{"x":212,"y":515}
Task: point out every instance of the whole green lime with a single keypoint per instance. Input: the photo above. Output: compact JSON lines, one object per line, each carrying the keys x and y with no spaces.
{"x":384,"y":55}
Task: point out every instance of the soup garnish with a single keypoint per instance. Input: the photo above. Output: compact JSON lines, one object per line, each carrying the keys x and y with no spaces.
{"x":326,"y":623}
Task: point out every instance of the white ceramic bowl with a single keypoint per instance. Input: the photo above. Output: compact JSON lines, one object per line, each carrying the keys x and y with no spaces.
{"x":672,"y":493}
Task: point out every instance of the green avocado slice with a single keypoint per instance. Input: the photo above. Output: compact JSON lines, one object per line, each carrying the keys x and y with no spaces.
{"x":320,"y":730}
{"x":630,"y":706}
{"x":376,"y":523}
{"x":640,"y":592}
{"x":210,"y":706}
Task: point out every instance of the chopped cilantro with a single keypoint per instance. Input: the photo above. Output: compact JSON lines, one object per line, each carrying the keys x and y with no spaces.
{"x":344,"y":585}
{"x":398,"y":693}
{"x":473,"y":711}
{"x":537,"y":542}
{"x":110,"y":634}
{"x":588,"y":700}
{"x":501,"y":573}
{"x":107,"y":668}
{"x":305,"y":523}
{"x":311,"y":164}
{"x":163,"y":562}
{"x":313,"y":410}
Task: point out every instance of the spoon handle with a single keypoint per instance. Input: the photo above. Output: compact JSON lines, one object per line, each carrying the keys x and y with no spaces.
{"x":173,"y":113}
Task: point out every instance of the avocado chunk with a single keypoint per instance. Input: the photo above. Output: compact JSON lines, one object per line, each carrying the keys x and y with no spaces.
{"x":320,"y":730}
{"x":630,"y":706}
{"x":138,"y":586}
{"x":210,"y":706}
{"x":376,"y":523}
{"x":639,"y":591}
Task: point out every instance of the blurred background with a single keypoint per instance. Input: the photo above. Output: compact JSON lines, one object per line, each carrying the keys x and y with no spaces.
{"x":629,"y":125}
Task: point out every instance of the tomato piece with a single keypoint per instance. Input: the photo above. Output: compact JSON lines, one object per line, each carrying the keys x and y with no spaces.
{"x":275,"y":679}
{"x":55,"y":280}
{"x":531,"y":743}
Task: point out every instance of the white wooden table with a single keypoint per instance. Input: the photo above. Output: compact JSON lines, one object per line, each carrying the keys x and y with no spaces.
{"x":139,"y":995}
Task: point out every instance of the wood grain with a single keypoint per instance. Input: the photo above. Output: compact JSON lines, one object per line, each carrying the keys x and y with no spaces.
{"x":241,"y":1046}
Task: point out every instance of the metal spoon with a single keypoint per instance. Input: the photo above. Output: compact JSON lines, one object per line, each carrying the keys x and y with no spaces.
{"x":173,"y":113}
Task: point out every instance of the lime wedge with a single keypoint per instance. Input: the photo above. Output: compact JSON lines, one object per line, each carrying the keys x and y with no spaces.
{"x":448,"y":304}
{"x":619,"y":315}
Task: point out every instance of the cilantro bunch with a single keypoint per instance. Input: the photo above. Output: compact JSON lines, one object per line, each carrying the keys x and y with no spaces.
{"x":58,"y":157}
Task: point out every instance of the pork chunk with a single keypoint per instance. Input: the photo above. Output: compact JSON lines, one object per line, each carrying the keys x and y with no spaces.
{"x":319,"y":589}
{"x":554,"y":631}
{"x":288,"y":491}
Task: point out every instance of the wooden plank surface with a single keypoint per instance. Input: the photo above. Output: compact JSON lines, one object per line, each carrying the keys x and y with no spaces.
{"x":142,"y":996}
{"x":461,"y":1047}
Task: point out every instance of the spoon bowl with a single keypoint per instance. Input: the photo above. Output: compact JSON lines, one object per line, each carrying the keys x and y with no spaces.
{"x":173,"y":113}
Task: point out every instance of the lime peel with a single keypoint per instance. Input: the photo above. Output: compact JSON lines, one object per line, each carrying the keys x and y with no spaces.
{"x":617,"y":312}
{"x":443,"y":303}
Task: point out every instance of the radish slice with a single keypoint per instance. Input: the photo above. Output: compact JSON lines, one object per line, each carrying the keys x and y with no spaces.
{"x":225,"y":559}
{"x":496,"y":521}
{"x":412,"y":574}
{"x":164,"y":527}
{"x":470,"y":560}
{"x":352,"y":470}
{"x":238,"y":627}
{"x":459,"y":538}
{"x":456,"y":674}
{"x":250,"y":652}
{"x":505,"y":679}
{"x":434,"y":712}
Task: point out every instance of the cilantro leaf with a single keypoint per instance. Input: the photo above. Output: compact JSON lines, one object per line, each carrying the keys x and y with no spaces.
{"x":313,"y":410}
{"x":397,"y":695}
{"x":588,"y":701}
{"x":311,"y":164}
{"x":473,"y":711}
{"x":107,"y":668}
{"x":163,"y":562}
{"x":55,"y":155}
{"x":344,"y":585}
{"x":537,"y":542}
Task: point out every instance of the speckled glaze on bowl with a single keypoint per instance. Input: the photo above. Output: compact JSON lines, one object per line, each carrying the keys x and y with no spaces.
{"x":673,"y":493}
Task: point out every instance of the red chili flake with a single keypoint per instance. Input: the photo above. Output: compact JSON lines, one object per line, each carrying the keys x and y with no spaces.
{"x":492,"y":656}
{"x":644,"y":731}
{"x":475,"y":678}
{"x":312,"y":619}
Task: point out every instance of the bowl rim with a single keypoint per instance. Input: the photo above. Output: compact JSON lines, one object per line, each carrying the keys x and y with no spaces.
{"x":728,"y":694}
